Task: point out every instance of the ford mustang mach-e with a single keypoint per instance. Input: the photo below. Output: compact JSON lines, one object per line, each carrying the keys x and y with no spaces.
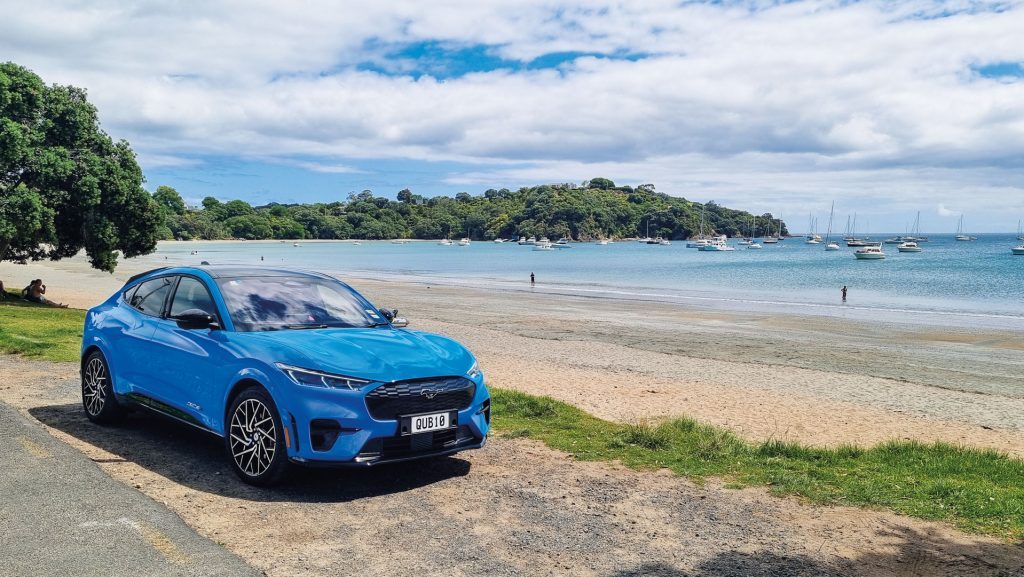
{"x":288,"y":367}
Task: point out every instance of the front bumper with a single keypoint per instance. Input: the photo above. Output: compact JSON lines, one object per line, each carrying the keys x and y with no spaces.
{"x":358,"y":440}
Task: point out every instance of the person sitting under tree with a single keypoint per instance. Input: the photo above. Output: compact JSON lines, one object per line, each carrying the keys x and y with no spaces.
{"x":36,"y":291}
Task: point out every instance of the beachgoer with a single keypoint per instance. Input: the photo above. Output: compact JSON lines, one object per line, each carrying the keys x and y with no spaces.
{"x":844,"y":293}
{"x":533,"y":279}
{"x":36,"y":293}
{"x":3,"y":291}
{"x":261,"y":258}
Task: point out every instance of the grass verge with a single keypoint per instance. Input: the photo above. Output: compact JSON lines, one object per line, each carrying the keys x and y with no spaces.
{"x":39,"y":331}
{"x":976,"y":490}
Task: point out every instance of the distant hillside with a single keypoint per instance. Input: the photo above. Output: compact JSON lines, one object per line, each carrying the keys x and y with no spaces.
{"x":596,"y":209}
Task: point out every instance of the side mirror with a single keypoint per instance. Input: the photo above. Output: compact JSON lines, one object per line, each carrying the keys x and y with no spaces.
{"x":196,"y":319}
{"x":393,"y":318}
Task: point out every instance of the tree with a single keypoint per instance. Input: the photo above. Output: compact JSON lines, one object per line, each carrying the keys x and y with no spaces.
{"x":169,"y":200}
{"x":65,"y":185}
{"x":405,"y":196}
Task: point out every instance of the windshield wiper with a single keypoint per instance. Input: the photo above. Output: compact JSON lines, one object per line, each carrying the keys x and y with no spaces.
{"x":304,"y":327}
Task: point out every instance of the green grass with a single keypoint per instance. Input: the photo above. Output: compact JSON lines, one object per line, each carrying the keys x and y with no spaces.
{"x":39,"y":331}
{"x":977,"y":490}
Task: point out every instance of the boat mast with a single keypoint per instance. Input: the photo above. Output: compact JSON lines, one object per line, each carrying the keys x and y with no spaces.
{"x":828,"y":233}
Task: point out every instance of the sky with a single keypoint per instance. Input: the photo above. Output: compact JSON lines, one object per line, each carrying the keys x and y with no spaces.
{"x":885,"y":108}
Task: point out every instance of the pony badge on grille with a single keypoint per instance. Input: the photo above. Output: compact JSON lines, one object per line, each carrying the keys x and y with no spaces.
{"x":430,"y":393}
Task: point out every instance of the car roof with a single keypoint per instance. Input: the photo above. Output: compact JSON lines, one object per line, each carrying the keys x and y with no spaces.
{"x":232,"y":271}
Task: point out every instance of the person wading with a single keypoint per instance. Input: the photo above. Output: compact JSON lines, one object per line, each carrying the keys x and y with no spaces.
{"x":843,"y":291}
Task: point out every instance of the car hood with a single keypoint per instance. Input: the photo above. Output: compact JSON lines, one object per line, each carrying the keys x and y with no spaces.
{"x":377,"y":354}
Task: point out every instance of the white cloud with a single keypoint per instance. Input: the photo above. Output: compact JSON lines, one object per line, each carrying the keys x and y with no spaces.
{"x":756,"y":102}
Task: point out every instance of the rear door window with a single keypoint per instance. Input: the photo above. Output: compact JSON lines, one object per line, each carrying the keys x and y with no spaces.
{"x":149,"y":298}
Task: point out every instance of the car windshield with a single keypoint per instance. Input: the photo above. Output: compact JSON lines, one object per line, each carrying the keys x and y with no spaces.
{"x":280,"y":303}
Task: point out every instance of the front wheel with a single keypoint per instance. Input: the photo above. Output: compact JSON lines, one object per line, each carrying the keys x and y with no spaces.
{"x":255,"y":439}
{"x":98,"y":397}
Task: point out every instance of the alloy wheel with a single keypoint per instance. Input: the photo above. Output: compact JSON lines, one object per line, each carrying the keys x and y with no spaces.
{"x":95,"y":386}
{"x":253,"y":437}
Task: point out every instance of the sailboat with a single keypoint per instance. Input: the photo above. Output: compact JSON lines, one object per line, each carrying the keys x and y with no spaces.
{"x":770,"y":238}
{"x":748,"y":240}
{"x":1020,"y":235}
{"x":813,"y":237}
{"x":852,"y":239}
{"x":910,"y":242}
{"x":831,"y":244}
{"x":702,"y":239}
{"x":754,"y":245}
{"x":960,"y":235}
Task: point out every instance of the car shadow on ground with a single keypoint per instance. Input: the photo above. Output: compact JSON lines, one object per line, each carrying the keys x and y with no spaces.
{"x":197,"y":460}
{"x":918,"y":554}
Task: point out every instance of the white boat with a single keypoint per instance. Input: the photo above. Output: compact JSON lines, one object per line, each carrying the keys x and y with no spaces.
{"x":499,"y":240}
{"x":544,"y":246}
{"x":464,"y":242}
{"x":960,"y":234}
{"x":664,"y":242}
{"x":357,"y":243}
{"x":701,"y":239}
{"x":523,"y":241}
{"x":754,"y":246}
{"x":563,"y":240}
{"x":296,"y":244}
{"x":831,"y":245}
{"x":445,"y":242}
{"x":602,"y":242}
{"x":870,"y":252}
{"x":1018,"y":250}
{"x":718,"y":244}
{"x":909,"y":243}
{"x":398,"y":241}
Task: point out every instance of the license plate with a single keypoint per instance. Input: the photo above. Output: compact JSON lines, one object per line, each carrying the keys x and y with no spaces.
{"x":430,"y":422}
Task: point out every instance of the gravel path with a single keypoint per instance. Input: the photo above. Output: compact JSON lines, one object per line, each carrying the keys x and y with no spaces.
{"x":514,"y":508}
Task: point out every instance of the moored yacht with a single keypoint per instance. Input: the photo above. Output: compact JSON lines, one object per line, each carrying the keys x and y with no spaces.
{"x":909,"y":246}
{"x":870,"y":252}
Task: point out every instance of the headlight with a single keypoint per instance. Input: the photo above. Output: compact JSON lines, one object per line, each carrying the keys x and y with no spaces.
{"x":473,"y":371}
{"x":311,"y":378}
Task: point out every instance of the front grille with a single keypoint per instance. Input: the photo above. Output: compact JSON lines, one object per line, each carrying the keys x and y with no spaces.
{"x":396,"y":447}
{"x":392,"y":400}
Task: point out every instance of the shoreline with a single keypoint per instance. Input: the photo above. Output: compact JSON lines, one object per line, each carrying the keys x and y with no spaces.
{"x":766,"y":375}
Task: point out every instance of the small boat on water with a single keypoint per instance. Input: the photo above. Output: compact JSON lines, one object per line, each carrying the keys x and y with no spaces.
{"x":445,"y":242}
{"x":909,"y":243}
{"x":697,"y":243}
{"x":545,"y":245}
{"x":464,"y":242}
{"x":754,"y":246}
{"x":563,"y":241}
{"x":1018,"y":250}
{"x":602,"y":241}
{"x":909,"y":246}
{"x":499,"y":240}
{"x":399,"y":241}
{"x":664,"y":242}
{"x":718,"y":244}
{"x":870,"y":252}
{"x":960,"y":234}
{"x":296,"y":244}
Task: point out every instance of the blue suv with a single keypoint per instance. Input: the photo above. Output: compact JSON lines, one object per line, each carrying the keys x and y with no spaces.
{"x":286,"y":366}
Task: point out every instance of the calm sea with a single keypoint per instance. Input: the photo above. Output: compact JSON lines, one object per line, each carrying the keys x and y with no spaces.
{"x":977,"y":283}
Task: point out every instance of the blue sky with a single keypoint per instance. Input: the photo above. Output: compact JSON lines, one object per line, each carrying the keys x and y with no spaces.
{"x":886,"y":108}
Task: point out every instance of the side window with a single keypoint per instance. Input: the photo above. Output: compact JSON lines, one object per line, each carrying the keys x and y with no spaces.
{"x":128,"y":294}
{"x":192,"y":294}
{"x":150,"y":296}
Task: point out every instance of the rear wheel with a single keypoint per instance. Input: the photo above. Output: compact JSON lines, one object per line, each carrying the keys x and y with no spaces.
{"x":98,"y":397}
{"x":255,"y":439}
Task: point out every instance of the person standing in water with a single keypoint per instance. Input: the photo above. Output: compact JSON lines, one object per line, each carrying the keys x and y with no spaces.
{"x":843,"y":291}
{"x":533,"y":279}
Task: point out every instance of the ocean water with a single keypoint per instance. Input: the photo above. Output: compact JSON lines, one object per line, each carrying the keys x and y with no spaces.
{"x":977,"y":283}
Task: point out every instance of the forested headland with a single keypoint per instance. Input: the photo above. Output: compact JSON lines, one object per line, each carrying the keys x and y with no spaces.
{"x":592,"y":210}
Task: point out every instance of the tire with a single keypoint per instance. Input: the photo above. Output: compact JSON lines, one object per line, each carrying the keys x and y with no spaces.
{"x":98,"y":398}
{"x":254,"y":439}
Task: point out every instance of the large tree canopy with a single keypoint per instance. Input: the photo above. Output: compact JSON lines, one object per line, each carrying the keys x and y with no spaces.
{"x":65,"y":184}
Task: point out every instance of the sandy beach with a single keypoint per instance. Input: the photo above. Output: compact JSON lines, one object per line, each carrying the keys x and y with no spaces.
{"x":821,"y":381}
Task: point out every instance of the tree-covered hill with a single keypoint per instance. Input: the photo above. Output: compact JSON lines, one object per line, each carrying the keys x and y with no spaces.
{"x":596,"y":209}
